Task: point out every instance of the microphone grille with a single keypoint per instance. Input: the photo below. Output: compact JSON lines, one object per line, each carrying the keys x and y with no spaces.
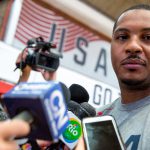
{"x":73,"y":106}
{"x":66,"y":92}
{"x":89,"y":109}
{"x":78,"y":93}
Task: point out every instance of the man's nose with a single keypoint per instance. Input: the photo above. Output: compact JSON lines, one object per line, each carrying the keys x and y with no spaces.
{"x":133,"y":46}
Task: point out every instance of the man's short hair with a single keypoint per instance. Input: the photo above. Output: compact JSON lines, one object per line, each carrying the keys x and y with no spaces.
{"x":138,"y":6}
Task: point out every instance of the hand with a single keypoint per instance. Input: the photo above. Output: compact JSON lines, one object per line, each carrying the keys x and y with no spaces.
{"x":44,"y":144}
{"x":49,"y":144}
{"x":80,"y":145}
{"x":9,"y":130}
{"x":22,"y":56}
{"x":47,"y":75}
{"x":27,"y":69}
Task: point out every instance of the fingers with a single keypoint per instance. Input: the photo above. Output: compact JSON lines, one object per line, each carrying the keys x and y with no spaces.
{"x":14,"y":128}
{"x":48,"y":75}
{"x":9,"y":130}
{"x":26,"y":69}
{"x":43,"y":143}
{"x":22,"y":56}
{"x":80,"y":145}
{"x":21,"y":60}
{"x":8,"y":145}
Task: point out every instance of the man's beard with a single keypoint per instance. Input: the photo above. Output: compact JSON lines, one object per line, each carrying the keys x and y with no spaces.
{"x":136,"y":84}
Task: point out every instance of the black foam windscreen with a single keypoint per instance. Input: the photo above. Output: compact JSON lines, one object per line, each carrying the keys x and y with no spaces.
{"x":78,"y":93}
{"x":81,"y":110}
{"x":66,"y":92}
{"x":89,"y":109}
{"x":73,"y":106}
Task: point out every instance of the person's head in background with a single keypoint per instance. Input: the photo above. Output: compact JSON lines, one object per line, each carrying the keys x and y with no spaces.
{"x":130,"y":50}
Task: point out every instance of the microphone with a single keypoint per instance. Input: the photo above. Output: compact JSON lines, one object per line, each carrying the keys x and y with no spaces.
{"x":42,"y":105}
{"x":66,"y":92}
{"x":90,"y":110}
{"x":77,"y":111}
{"x":78,"y":93}
{"x":81,"y":110}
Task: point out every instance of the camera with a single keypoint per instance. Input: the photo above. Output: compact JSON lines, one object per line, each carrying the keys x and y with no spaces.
{"x":41,"y":56}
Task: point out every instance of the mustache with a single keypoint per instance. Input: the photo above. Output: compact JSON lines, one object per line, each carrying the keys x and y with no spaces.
{"x":134,"y":57}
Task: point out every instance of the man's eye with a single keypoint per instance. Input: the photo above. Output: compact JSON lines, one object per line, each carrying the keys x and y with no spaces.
{"x":121,"y":37}
{"x":146,"y":37}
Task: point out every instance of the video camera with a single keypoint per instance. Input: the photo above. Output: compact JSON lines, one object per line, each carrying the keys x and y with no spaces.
{"x":42,"y":56}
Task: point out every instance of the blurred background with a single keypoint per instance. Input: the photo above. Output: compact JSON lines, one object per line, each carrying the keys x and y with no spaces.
{"x":81,"y":30}
{"x":112,"y":8}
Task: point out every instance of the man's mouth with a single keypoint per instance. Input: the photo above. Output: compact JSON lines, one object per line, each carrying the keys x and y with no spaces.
{"x":133,"y":63}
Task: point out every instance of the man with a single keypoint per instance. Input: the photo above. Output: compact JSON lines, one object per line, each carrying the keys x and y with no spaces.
{"x":130,"y":54}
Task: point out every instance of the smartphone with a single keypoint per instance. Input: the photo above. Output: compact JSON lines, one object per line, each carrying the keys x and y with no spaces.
{"x":101,"y":133}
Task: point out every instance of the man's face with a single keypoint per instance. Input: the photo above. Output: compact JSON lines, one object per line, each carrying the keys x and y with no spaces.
{"x":130,"y":47}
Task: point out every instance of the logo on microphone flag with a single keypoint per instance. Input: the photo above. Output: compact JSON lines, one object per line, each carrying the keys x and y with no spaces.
{"x":72,"y":132}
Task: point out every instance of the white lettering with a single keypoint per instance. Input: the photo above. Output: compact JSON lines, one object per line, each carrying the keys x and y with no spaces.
{"x":59,"y":110}
{"x":50,"y":116}
{"x":72,"y":129}
{"x":32,"y":87}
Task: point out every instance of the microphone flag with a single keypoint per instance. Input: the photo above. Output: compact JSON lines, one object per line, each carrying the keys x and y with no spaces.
{"x":46,"y":103}
{"x":73,"y":131}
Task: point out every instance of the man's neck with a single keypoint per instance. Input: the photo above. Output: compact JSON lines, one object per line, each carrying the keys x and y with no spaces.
{"x":129,"y":96}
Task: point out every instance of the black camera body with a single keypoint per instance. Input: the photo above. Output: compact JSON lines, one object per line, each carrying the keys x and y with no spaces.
{"x":48,"y":62}
{"x":41,"y":56}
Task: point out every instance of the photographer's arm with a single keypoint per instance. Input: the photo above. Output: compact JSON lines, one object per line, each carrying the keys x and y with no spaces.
{"x":48,"y":76}
{"x":24,"y":76}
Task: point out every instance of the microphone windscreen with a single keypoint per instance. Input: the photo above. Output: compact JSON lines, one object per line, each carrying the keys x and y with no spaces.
{"x":66,"y":92}
{"x":78,"y":93}
{"x":81,"y":110}
{"x":73,"y":106}
{"x":89,"y":109}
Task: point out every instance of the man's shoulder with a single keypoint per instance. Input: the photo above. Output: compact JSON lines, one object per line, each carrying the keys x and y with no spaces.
{"x":106,"y":109}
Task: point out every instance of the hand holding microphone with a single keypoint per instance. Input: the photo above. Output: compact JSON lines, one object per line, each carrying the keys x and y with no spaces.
{"x":40,"y":104}
{"x":9,"y":130}
{"x":43,"y":106}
